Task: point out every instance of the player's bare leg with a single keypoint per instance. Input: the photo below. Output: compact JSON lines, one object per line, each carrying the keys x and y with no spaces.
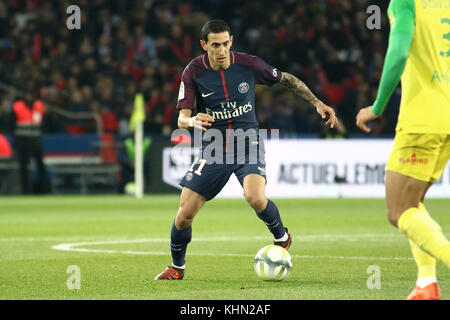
{"x":254,"y":192}
{"x":404,"y":198}
{"x":190,"y":203}
{"x":429,"y":184}
{"x":402,"y":193}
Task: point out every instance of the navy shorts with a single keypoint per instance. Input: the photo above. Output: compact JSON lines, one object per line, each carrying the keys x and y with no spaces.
{"x":208,"y":179}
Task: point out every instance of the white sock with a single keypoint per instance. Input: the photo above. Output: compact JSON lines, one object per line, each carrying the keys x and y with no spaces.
{"x":183,"y":267}
{"x":424,"y":281}
{"x":283,"y":238}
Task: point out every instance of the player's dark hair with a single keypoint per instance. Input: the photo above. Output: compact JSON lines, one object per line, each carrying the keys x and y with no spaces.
{"x":214,"y":26}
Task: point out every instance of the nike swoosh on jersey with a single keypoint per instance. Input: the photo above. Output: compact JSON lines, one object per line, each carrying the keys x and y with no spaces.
{"x":207,"y":95}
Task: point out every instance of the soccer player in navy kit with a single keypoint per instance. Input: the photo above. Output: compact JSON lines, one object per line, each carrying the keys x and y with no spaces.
{"x":220,"y":84}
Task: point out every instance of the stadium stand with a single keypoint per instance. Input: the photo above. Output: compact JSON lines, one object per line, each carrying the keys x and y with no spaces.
{"x":124,"y":46}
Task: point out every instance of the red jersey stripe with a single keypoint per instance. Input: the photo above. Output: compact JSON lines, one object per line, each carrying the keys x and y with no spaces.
{"x":224,"y":85}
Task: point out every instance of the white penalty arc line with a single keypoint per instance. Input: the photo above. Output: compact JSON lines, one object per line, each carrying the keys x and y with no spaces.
{"x":75,"y":248}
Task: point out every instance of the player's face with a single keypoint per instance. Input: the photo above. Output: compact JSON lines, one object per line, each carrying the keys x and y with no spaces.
{"x":218,"y":48}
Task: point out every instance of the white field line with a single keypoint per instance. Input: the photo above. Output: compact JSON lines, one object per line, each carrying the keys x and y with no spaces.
{"x":313,"y":237}
{"x":75,"y":246}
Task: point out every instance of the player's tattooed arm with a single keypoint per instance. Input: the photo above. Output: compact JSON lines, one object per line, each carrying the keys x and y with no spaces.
{"x":299,"y":88}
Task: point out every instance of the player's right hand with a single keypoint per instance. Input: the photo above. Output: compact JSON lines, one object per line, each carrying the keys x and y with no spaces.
{"x":323,"y":110}
{"x":203,"y":121}
{"x":365,"y":115}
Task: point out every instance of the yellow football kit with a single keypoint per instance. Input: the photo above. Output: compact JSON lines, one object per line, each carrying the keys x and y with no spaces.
{"x":419,"y":52}
{"x":422,"y":143}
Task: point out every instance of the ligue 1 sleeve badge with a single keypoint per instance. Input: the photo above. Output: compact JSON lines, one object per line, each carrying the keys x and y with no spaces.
{"x":243,"y":87}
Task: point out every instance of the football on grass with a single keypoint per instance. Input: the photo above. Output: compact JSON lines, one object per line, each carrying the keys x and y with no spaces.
{"x":272,"y":263}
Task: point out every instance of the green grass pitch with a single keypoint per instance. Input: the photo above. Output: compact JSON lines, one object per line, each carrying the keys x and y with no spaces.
{"x":120,"y":244}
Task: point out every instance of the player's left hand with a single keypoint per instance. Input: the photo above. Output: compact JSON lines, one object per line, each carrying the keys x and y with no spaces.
{"x":364,"y":115}
{"x":325,"y":110}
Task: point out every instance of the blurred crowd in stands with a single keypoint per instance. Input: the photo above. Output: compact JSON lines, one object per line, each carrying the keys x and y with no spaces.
{"x":143,"y":45}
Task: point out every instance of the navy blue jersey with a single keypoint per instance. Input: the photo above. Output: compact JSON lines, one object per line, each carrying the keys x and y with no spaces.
{"x":227,"y":95}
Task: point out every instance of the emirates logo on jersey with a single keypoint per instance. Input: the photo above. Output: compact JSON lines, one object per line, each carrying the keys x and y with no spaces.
{"x":229,"y":110}
{"x":413,"y":160}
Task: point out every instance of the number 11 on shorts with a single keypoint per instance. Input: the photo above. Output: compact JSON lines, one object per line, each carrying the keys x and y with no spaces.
{"x":200,"y":167}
